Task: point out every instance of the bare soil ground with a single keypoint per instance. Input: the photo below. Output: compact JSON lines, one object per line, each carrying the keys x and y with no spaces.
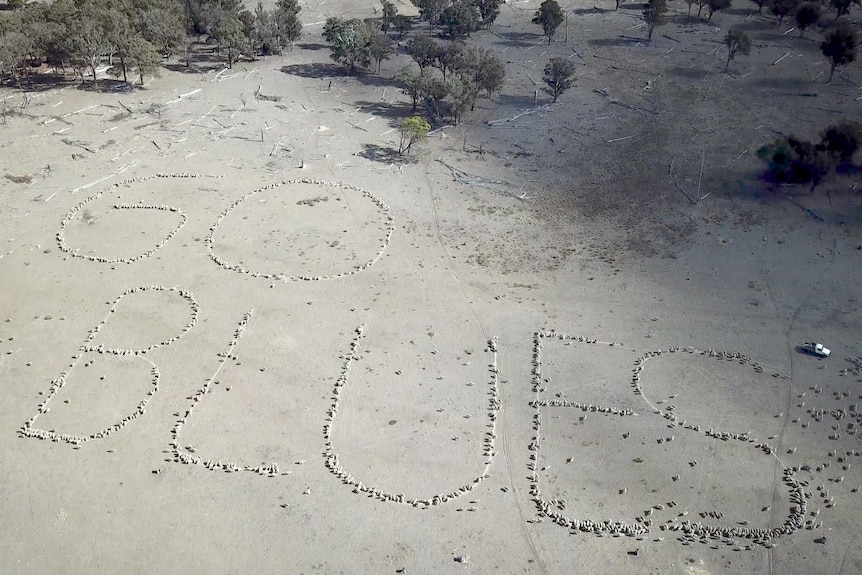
{"x":235,"y":338}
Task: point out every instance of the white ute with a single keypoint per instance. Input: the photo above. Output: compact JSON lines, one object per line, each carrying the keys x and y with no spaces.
{"x":816,"y":349}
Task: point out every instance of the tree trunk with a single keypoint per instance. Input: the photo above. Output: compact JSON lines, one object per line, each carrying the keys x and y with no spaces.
{"x":93,"y":70}
{"x":831,"y":73}
{"x":123,"y":66}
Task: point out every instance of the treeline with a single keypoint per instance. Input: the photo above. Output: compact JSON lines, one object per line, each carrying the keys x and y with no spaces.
{"x":793,"y":160}
{"x":448,"y":75}
{"x":136,"y":36}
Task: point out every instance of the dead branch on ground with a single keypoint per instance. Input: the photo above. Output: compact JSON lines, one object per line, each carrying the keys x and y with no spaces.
{"x":499,"y":185}
{"x":673,"y":175}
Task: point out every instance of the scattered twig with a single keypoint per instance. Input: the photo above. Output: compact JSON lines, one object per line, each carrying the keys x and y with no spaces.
{"x":669,"y":38}
{"x":678,"y":187}
{"x":789,"y":31}
{"x":119,"y":171}
{"x":742,"y":154}
{"x":806,"y":211}
{"x":155,"y":108}
{"x":672,"y":175}
{"x":575,"y":53}
{"x":620,"y":139}
{"x":786,"y":54}
{"x":466,"y":178}
{"x":515,"y":117}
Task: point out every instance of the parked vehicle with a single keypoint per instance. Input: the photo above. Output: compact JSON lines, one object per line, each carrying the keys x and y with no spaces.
{"x":817,"y":349}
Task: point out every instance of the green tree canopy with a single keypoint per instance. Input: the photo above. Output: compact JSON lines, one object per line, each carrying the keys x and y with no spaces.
{"x":349,"y":42}
{"x":460,"y":19}
{"x":423,"y":49}
{"x":654,"y":16}
{"x":559,"y":76}
{"x":842,"y":141}
{"x":808,"y":15}
{"x":737,"y":42}
{"x":842,"y":7}
{"x":795,"y":161}
{"x":716,"y":6}
{"x":549,"y":16}
{"x":783,"y":8}
{"x":412,"y":130}
{"x":430,"y":10}
{"x":287,"y":23}
{"x":839,"y":47}
{"x":488,"y":11}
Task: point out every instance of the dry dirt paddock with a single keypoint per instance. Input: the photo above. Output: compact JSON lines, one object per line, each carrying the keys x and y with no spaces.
{"x":235,"y":341}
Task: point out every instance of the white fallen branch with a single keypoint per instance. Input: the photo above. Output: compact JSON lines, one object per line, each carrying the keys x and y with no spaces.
{"x":515,"y":117}
{"x":119,"y":171}
{"x":499,"y":185}
{"x":183,"y":96}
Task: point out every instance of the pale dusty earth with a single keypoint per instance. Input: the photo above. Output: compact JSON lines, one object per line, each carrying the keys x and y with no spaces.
{"x":346,"y":365}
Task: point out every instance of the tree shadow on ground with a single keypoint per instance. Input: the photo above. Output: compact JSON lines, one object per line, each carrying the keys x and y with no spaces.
{"x":769,"y":35}
{"x":320,"y":70}
{"x":385,"y":155}
{"x":520,"y":39}
{"x":688,"y":73}
{"x":620,"y":41}
{"x":795,"y":85}
{"x":754,"y":26}
{"x":593,"y":10}
{"x":194,"y":67}
{"x":312,"y":46}
{"x":37,"y":82}
{"x":637,"y":6}
{"x":107,"y":85}
{"x":522,"y":101}
{"x":686,"y":21}
{"x":202,"y":59}
{"x":739,"y":11}
{"x":394,"y":111}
